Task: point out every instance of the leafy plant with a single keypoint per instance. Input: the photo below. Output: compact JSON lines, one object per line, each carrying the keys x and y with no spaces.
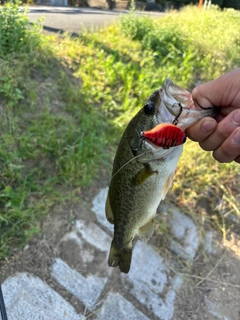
{"x":136,"y":26}
{"x":16,"y":34}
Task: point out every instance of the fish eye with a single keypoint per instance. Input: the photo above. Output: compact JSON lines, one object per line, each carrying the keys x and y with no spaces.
{"x":149,"y":108}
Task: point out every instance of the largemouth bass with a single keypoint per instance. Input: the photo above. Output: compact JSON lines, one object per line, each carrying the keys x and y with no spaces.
{"x":143,"y":168}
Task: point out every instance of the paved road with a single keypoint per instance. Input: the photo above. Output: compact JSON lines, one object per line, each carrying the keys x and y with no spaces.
{"x":75,"y":19}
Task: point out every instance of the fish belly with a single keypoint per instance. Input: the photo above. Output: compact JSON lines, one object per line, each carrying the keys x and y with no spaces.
{"x":156,"y":188}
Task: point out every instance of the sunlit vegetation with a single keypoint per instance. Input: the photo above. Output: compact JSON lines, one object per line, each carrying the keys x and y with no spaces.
{"x":64,"y":104}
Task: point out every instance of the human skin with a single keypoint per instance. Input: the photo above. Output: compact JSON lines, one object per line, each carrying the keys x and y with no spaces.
{"x":222,"y":134}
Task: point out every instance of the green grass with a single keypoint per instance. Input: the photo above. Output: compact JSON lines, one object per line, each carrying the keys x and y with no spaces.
{"x":65,"y":102}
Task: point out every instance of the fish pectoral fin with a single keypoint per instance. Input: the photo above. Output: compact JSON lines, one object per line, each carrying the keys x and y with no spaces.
{"x":146,"y":231}
{"x":108,"y":210}
{"x":143,"y":175}
{"x":121,"y":258}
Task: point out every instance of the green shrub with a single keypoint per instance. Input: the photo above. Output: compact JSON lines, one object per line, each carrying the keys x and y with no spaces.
{"x":136,"y":27}
{"x":17,"y":35}
{"x":191,"y":44}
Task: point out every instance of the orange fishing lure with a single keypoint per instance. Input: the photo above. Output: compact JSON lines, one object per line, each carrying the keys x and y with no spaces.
{"x":165,"y":135}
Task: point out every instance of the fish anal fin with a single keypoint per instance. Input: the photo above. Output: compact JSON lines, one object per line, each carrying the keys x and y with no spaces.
{"x":121,"y":258}
{"x":143,"y":175}
{"x":108,"y":210}
{"x":167,"y":186}
{"x":146,"y":231}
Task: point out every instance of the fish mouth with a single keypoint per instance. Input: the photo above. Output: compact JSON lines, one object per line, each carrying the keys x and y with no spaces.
{"x":177,"y":106}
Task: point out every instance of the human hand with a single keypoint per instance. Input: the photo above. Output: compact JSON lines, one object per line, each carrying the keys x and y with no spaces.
{"x":222,"y":134}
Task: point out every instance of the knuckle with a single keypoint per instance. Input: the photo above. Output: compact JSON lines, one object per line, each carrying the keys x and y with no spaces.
{"x":206,"y":146}
{"x":225,"y":154}
{"x":237,"y":159}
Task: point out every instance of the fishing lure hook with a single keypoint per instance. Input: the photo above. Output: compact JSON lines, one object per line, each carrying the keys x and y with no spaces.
{"x":175,"y":120}
{"x":141,"y":142}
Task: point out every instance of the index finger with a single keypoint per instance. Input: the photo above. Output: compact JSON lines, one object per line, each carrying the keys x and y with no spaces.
{"x":222,"y":92}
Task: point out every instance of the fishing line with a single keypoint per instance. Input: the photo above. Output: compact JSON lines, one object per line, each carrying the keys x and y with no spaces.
{"x":194,"y":100}
{"x":2,"y":306}
{"x":144,"y":153}
{"x":113,"y":176}
{"x":87,"y":206}
{"x":77,"y":216}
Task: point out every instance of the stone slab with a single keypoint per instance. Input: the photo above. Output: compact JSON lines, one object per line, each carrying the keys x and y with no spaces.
{"x":185,"y":229}
{"x":28,"y":297}
{"x":116,"y":307}
{"x":185,"y":239}
{"x":149,"y":279}
{"x":86,"y":248}
{"x":92,"y":234}
{"x":213,"y":310}
{"x":86,"y":289}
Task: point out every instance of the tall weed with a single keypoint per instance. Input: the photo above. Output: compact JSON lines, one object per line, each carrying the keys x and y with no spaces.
{"x":199,"y":44}
{"x":17,"y":35}
{"x":136,"y":26}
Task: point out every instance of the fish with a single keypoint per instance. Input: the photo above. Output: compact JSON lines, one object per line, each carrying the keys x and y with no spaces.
{"x":144,"y":167}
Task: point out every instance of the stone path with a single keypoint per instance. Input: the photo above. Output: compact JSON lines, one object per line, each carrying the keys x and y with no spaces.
{"x":148,"y":291}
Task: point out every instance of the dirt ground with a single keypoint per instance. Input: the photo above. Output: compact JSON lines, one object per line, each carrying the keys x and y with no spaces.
{"x":211,"y":287}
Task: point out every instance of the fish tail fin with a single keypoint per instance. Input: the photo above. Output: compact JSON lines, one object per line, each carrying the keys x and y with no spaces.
{"x":121,"y":258}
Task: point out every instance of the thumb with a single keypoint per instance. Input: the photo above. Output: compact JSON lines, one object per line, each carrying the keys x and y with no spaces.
{"x":202,"y":129}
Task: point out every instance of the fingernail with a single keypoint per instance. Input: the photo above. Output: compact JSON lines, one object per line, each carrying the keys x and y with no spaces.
{"x":236,"y":118}
{"x":208,"y":126}
{"x":236,"y":138}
